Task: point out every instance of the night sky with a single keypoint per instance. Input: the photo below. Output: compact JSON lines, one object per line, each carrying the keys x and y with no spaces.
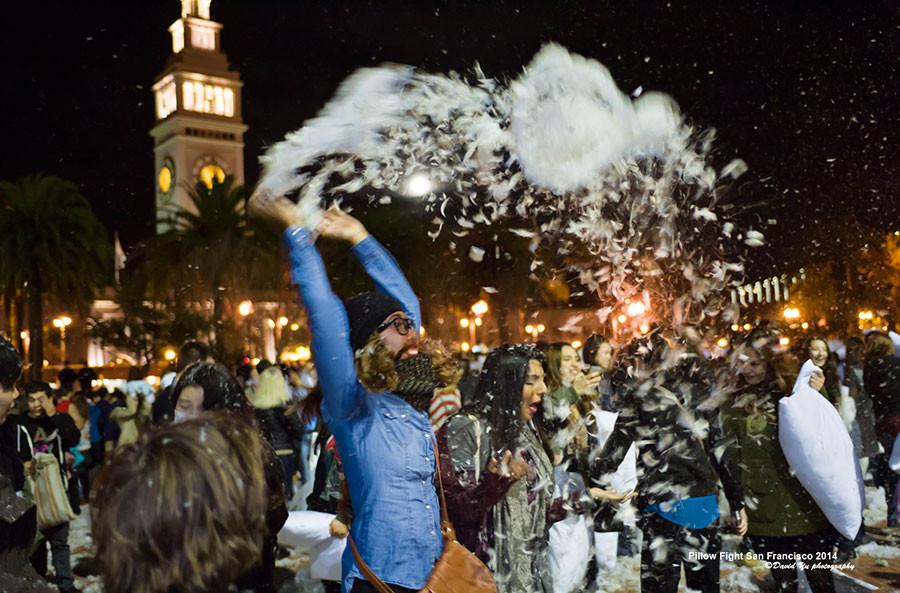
{"x":808,"y":94}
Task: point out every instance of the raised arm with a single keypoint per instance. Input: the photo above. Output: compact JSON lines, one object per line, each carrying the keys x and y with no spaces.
{"x":342,"y":393}
{"x":374,"y":258}
{"x":387,"y":275}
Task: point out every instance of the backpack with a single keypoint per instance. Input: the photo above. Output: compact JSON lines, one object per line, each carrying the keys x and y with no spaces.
{"x":49,"y":487}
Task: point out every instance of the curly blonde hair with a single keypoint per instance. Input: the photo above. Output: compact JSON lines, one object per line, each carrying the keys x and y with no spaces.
{"x":182,"y":508}
{"x":375,"y":364}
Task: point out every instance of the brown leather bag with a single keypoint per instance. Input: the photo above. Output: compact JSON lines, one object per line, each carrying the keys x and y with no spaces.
{"x":457,"y":570}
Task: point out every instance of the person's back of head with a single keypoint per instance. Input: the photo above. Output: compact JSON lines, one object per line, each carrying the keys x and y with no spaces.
{"x":272,"y":391}
{"x":878,"y":345}
{"x":192,"y":352}
{"x":182,"y":509}
{"x":67,"y":378}
{"x":135,"y":373}
{"x":10,"y":365}
{"x":10,"y":370}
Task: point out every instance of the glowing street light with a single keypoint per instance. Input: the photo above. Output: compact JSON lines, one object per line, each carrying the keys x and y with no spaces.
{"x":465,"y":347}
{"x":169,"y":354}
{"x":792,"y":313}
{"x":417,"y":185}
{"x":480,"y":307}
{"x":245,"y":308}
{"x":576,"y":344}
{"x":61,"y":323}
{"x":282,"y":321}
{"x":722,"y":343}
{"x":636,"y":309}
{"x":464,"y":322}
{"x":535,"y":330}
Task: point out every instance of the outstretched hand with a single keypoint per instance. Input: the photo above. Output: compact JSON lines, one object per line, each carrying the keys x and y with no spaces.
{"x":509,"y":467}
{"x":611,"y":495}
{"x":277,"y":209}
{"x":339,"y":225}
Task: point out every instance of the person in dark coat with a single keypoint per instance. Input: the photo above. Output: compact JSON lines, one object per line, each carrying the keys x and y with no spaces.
{"x":881,"y":377}
{"x":55,"y":433}
{"x":668,"y":412}
{"x":278,"y":420}
{"x":18,"y":514}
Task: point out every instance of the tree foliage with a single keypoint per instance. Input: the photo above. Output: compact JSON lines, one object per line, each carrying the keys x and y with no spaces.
{"x":53,"y":246}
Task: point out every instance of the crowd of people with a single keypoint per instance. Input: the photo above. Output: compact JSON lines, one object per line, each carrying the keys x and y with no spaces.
{"x":653,"y":445}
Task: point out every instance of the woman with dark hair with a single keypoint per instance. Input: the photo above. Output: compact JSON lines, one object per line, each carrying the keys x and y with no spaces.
{"x":882,"y":379}
{"x":205,"y":386}
{"x":816,"y":349}
{"x":783,"y":519}
{"x":568,"y":401}
{"x":181,"y":512}
{"x":497,"y":473}
{"x":599,"y":355}
{"x":866,"y":439}
{"x":208,"y":386}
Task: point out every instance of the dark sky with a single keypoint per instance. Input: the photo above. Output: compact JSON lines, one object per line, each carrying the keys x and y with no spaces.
{"x":808,"y":94}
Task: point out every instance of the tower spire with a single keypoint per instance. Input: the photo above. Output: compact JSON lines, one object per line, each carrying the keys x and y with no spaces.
{"x":195,"y":8}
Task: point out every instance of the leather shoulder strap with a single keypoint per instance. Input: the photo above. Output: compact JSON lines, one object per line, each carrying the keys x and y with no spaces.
{"x":447,"y":530}
{"x":380,"y":585}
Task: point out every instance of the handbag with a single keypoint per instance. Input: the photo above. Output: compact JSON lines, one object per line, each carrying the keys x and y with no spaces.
{"x":457,"y":570}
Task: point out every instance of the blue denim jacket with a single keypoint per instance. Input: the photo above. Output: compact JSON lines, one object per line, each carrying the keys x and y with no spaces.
{"x":384,"y":443}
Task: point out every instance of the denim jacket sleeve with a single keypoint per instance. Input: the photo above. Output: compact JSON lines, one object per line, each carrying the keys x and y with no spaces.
{"x":342,"y":394}
{"x":388,"y":278}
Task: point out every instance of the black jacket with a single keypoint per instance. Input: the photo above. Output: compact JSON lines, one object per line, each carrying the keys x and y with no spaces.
{"x":54,"y":434}
{"x":674,"y":462}
{"x":881,"y":378}
{"x":280,"y":429}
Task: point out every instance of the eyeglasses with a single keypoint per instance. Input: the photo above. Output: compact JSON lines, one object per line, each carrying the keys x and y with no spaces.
{"x":401,"y":324}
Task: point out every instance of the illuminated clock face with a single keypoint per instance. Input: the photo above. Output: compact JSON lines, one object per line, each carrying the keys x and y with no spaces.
{"x":166,"y":178}
{"x":211,"y":172}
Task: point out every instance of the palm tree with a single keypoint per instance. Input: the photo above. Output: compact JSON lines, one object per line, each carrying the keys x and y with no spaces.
{"x":212,"y":250}
{"x":51,"y":245}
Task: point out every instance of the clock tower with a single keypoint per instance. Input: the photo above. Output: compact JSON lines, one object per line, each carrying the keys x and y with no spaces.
{"x":199,"y":133}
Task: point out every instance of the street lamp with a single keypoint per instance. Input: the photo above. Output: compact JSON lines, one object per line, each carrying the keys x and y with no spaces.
{"x":61,"y":323}
{"x":535,"y":330}
{"x":636,"y":309}
{"x":245,"y":308}
{"x":792,"y":313}
{"x":169,"y":354}
{"x":480,"y":307}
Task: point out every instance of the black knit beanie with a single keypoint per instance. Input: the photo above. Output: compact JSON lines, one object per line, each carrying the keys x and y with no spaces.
{"x":366,"y":312}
